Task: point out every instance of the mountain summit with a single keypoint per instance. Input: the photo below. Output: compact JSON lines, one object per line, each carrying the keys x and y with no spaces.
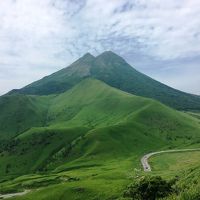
{"x":116,"y":72}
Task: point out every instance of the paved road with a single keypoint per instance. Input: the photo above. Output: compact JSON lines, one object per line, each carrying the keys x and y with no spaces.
{"x":144,"y":159}
{"x":6,"y":196}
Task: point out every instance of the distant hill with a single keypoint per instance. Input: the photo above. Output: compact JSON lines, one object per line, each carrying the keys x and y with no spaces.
{"x":116,"y":72}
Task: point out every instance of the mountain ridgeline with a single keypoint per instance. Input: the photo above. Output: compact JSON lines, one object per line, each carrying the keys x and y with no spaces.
{"x":116,"y":72}
{"x":90,"y":122}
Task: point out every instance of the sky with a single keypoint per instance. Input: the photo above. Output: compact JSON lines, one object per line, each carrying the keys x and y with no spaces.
{"x":157,"y":37}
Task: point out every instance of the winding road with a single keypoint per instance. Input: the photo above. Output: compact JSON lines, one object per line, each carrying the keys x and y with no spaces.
{"x":144,"y":159}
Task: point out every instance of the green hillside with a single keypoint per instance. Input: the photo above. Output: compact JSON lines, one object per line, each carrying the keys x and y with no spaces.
{"x":116,"y":72}
{"x":182,"y":166}
{"x":85,"y":142}
{"x":19,"y":113}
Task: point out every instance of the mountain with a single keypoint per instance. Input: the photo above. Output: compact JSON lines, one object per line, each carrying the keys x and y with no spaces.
{"x":62,"y":80}
{"x":116,"y":72}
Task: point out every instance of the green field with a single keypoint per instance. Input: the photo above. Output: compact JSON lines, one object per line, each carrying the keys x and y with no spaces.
{"x":85,"y":143}
{"x":174,"y":162}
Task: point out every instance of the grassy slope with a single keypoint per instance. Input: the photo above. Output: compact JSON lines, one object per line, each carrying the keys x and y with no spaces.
{"x":20,"y":112}
{"x":116,"y":129}
{"x":186,"y":166}
{"x":171,"y":163}
{"x":195,"y":114}
{"x":189,"y":184}
{"x":94,"y":104}
{"x":32,"y":150}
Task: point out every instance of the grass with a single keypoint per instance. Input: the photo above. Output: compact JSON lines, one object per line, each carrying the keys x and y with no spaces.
{"x":185,"y":166}
{"x":101,"y":182}
{"x":86,"y":143}
{"x":19,"y":113}
{"x":195,"y":114}
{"x":32,"y":150}
{"x":174,"y":162}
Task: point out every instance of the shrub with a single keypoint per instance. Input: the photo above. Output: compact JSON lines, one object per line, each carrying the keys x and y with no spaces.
{"x":149,"y":188}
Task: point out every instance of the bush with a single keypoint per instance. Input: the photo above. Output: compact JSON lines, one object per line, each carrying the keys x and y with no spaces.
{"x":149,"y":188}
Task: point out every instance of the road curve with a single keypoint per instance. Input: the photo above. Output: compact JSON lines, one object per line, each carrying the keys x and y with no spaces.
{"x":144,"y":159}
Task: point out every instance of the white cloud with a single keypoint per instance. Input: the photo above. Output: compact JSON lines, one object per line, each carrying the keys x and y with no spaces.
{"x":43,"y":36}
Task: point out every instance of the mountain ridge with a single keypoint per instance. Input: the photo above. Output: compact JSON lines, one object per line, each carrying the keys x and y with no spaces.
{"x":103,"y":118}
{"x":116,"y":72}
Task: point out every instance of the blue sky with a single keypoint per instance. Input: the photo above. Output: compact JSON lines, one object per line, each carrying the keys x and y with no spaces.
{"x":157,"y":37}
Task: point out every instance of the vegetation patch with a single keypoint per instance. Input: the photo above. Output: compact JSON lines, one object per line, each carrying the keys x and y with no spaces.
{"x":149,"y":188}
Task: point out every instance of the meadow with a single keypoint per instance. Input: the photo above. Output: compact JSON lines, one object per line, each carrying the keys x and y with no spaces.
{"x":87,"y":142}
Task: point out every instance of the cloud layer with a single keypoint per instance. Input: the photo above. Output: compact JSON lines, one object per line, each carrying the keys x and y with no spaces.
{"x":39,"y":37}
